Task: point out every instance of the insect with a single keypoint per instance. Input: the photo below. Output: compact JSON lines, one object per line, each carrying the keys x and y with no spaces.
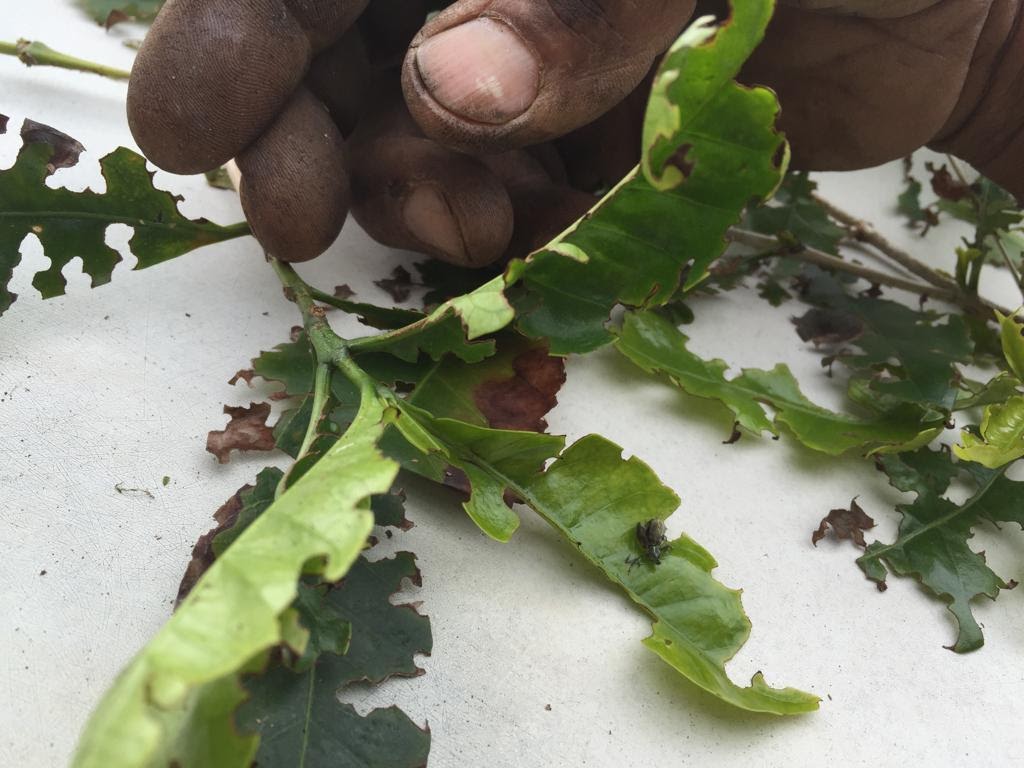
{"x":651,"y":538}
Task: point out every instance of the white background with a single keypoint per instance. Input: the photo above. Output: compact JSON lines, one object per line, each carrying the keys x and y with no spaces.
{"x":120,"y":386}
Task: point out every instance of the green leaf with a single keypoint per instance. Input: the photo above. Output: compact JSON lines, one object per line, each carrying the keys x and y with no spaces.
{"x":303,"y":724}
{"x":657,"y":346}
{"x":74,"y":224}
{"x":795,"y":213}
{"x":493,"y":461}
{"x":1001,"y":438}
{"x":1011,"y":336}
{"x":932,"y":544}
{"x":140,"y":10}
{"x":595,"y":498}
{"x":234,"y":613}
{"x":709,"y":149}
{"x":907,"y":356}
{"x":298,"y":716}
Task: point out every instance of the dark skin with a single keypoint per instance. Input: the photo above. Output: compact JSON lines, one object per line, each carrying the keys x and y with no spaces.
{"x":483,"y":133}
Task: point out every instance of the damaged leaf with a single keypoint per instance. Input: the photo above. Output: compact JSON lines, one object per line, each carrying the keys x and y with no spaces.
{"x":595,"y":499}
{"x":74,"y":224}
{"x":933,"y":540}
{"x":710,"y":147}
{"x":234,"y":614}
{"x":247,"y":431}
{"x":657,"y":346}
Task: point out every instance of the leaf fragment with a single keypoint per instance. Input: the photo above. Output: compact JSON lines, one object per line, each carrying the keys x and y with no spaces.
{"x":247,"y":431}
{"x":847,"y":524}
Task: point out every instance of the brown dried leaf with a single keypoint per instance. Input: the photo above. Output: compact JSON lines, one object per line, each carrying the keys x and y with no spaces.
{"x":66,"y":150}
{"x":398,"y":286}
{"x":246,"y":375}
{"x":343,"y":292}
{"x":202,"y":553}
{"x":846,"y":524}
{"x":828,"y":326}
{"x":946,"y":187}
{"x":247,"y":431}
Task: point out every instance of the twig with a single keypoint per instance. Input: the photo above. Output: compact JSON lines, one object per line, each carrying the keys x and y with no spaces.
{"x":863,"y":232}
{"x":962,"y":178}
{"x":950,"y":293}
{"x":35,"y":54}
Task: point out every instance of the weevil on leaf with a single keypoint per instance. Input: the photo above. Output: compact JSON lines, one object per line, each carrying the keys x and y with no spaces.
{"x":651,"y":538}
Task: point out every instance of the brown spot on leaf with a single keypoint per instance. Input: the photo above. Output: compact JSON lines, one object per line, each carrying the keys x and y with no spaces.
{"x":828,"y":326}
{"x":64,"y":150}
{"x":202,"y":552}
{"x":678,"y":160}
{"x":846,"y":524}
{"x":247,"y":431}
{"x":523,"y":401}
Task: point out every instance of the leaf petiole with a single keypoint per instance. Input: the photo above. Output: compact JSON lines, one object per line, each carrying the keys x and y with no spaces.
{"x":36,"y":54}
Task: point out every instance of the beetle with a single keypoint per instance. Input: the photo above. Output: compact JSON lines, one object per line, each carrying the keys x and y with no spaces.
{"x":651,"y":538}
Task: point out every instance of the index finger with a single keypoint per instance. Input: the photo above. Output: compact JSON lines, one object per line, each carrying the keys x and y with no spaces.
{"x":213,"y":74}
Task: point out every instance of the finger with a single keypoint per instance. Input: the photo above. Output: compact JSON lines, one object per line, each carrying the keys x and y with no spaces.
{"x":857,"y":92}
{"x":294,"y":188}
{"x":388,"y":26}
{"x":492,"y":74}
{"x":987,"y":126}
{"x":340,"y":77}
{"x":411,"y":193}
{"x":213,"y":74}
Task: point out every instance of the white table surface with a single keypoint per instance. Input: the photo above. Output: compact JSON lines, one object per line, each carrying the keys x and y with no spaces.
{"x":120,"y":386}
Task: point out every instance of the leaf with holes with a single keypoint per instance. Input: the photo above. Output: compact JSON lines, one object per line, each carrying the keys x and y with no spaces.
{"x":933,"y":540}
{"x":710,"y":148}
{"x":74,"y":224}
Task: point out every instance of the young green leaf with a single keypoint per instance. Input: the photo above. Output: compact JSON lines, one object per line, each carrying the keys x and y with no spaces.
{"x":1000,"y":439}
{"x":657,"y":346}
{"x":932,"y":544}
{"x":1011,"y":336}
{"x":70,"y":224}
{"x":710,"y":148}
{"x":234,"y":613}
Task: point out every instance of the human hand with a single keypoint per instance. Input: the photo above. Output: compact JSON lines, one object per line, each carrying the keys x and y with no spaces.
{"x":223,"y":78}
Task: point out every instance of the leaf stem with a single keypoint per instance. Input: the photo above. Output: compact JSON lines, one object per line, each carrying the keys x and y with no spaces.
{"x":863,"y":232}
{"x":36,"y":54}
{"x":775,"y":247}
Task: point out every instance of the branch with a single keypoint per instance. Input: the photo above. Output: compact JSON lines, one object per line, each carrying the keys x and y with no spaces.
{"x":951,"y":293}
{"x":35,"y":54}
{"x":863,"y":232}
